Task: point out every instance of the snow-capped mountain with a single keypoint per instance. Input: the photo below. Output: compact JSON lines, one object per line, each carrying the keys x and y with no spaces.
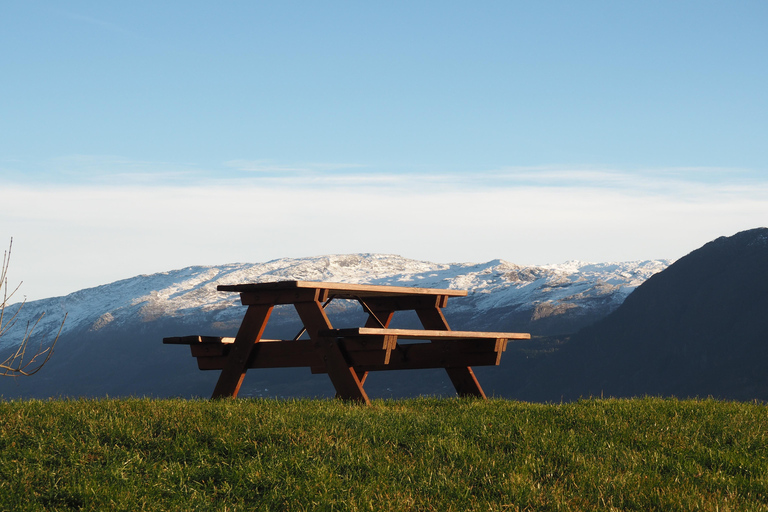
{"x":530,"y":293}
{"x":125,"y":321}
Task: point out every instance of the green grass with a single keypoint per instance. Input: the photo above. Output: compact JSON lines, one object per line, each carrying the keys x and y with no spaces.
{"x":425,"y":454}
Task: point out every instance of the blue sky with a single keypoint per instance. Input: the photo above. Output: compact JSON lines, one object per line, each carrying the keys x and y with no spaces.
{"x":138,"y":137}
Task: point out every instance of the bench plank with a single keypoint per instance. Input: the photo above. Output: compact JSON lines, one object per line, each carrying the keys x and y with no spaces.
{"x":282,"y":296}
{"x":360,"y":344}
{"x":297,"y":353}
{"x":222,"y":349}
{"x":308,"y":359}
{"x":422,"y":356}
{"x":440,"y":354}
{"x":191,"y":340}
{"x":421,"y":334}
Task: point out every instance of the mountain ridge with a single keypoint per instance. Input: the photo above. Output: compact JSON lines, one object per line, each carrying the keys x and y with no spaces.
{"x":172,"y":293}
{"x":112,"y":339}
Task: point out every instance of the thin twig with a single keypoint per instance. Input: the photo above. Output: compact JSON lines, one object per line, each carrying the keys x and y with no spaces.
{"x":15,"y":364}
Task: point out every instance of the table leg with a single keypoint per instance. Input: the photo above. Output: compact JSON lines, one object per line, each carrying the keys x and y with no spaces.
{"x":465,"y":382}
{"x":462,"y":378}
{"x":344,"y":377}
{"x":248,"y":335}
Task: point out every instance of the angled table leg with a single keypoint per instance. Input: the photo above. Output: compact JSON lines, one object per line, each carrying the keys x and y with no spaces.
{"x":248,"y":335}
{"x":465,"y":382}
{"x":462,"y":378}
{"x":344,"y":377}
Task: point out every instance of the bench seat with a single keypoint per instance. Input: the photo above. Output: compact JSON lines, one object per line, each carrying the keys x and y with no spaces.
{"x":439,"y":348}
{"x":364,"y":348}
{"x":212,"y":351}
{"x":421,"y":334}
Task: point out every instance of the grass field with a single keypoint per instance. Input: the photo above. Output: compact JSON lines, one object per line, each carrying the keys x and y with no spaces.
{"x":424,"y":454}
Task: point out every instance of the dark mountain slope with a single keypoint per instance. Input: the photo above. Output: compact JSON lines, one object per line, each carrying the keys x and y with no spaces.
{"x":698,"y":328}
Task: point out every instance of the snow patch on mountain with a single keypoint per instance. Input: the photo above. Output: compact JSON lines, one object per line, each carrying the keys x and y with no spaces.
{"x":545,"y":290}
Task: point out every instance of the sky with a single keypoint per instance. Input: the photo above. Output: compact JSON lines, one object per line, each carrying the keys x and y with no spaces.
{"x":140,"y":137}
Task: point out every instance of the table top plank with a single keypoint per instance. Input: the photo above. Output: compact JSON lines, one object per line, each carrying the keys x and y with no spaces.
{"x":341,"y":289}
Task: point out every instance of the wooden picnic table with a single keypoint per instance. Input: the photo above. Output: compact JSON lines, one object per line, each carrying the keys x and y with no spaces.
{"x":347,"y":355}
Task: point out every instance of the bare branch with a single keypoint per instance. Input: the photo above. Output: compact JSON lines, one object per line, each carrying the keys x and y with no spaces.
{"x":20,"y":363}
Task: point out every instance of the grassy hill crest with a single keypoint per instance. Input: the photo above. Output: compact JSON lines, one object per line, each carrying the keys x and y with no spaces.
{"x":423,"y":454}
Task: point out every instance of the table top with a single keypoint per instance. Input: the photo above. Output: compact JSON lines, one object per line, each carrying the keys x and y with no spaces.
{"x":340,"y":289}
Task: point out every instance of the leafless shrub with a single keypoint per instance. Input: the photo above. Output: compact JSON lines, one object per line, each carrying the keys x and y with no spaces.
{"x":25,"y":360}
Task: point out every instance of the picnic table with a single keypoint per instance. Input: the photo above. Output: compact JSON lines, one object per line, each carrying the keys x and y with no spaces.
{"x":347,"y":355}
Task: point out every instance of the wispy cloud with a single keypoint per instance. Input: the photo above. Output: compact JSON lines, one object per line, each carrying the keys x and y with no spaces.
{"x":100,"y":169}
{"x":679,"y":183}
{"x":107,"y":231}
{"x":264,"y":166}
{"x":657,"y":181}
{"x":606,"y":176}
{"x":269,"y":166}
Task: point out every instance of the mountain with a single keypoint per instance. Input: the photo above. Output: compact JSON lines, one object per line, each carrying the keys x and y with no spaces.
{"x":111,"y":342}
{"x":699,"y":328}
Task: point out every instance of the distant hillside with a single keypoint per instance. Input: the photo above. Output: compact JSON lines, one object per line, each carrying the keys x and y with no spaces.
{"x":112,"y":340}
{"x":699,"y":328}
